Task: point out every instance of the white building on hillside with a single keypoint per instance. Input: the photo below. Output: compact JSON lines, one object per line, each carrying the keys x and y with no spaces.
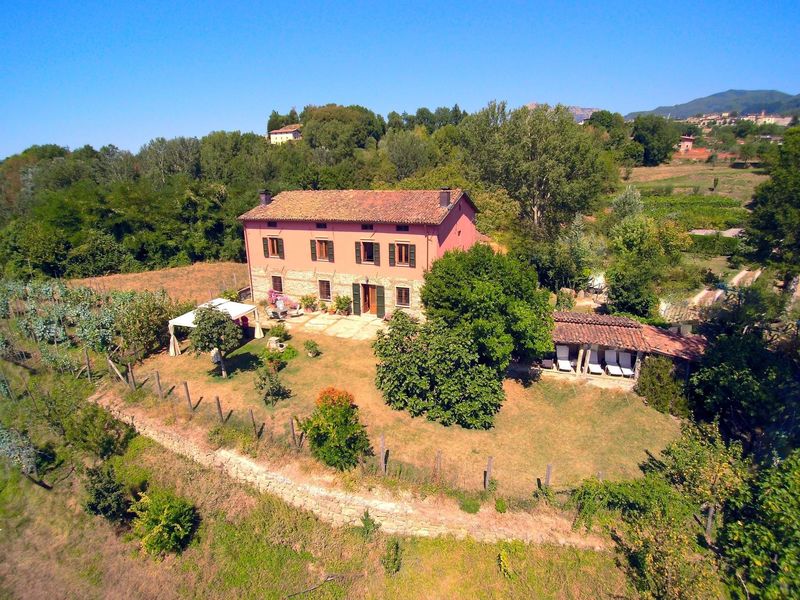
{"x":289,"y":133}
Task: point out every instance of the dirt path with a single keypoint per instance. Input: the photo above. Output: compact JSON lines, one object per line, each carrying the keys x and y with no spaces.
{"x":708,"y":297}
{"x":398,"y":512}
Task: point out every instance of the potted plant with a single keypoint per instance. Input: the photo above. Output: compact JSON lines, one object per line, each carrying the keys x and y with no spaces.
{"x":312,"y":348}
{"x":323,"y":307}
{"x":308,"y":302}
{"x":342,"y":304}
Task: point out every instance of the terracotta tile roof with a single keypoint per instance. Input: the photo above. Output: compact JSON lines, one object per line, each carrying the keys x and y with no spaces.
{"x":621,"y":332}
{"x":661,"y":341}
{"x":287,"y":128}
{"x":357,"y":206}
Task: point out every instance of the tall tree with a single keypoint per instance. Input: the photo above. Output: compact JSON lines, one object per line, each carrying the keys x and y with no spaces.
{"x":657,"y":136}
{"x":774,"y":226}
{"x":542,"y":158}
{"x":214,"y":329}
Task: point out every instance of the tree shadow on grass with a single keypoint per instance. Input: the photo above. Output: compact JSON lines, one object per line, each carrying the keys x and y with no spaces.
{"x":238,"y":363}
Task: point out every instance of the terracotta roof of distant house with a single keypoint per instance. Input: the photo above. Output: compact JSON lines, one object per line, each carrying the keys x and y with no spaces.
{"x":621,"y":332}
{"x":419,"y":207}
{"x":288,"y":128}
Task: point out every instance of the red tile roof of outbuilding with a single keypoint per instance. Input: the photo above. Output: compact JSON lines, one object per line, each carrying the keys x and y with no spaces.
{"x":621,"y":332}
{"x":288,"y":128}
{"x":357,"y":206}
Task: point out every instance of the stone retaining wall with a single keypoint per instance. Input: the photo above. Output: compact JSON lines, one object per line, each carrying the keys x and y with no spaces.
{"x":428,"y":517}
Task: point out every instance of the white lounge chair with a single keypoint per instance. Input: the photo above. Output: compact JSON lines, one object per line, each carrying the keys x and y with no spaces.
{"x":562,"y":359}
{"x":626,"y":364}
{"x":595,"y":368}
{"x":612,"y":368}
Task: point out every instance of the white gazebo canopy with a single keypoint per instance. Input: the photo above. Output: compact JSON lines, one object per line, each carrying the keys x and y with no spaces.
{"x":236,"y":310}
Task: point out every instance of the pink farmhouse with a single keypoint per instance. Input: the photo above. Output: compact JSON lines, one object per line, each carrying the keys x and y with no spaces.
{"x":373,"y":246}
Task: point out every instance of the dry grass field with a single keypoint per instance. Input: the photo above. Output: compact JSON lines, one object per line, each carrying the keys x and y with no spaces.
{"x":199,"y":282}
{"x":735,"y":183}
{"x":579,"y":429}
{"x":250,"y":545}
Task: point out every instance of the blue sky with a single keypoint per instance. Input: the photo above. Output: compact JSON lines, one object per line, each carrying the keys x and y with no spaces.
{"x":91,"y":72}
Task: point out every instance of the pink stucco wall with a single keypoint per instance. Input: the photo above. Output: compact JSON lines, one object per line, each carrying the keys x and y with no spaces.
{"x":458,"y":229}
{"x":297,"y":249}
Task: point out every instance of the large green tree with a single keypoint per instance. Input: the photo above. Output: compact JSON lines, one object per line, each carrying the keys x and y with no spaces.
{"x":547,"y":162}
{"x":774,"y":226}
{"x":494,"y":297}
{"x":657,"y":136}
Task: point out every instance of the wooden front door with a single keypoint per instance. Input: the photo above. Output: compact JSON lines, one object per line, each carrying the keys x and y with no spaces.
{"x":370,"y":301}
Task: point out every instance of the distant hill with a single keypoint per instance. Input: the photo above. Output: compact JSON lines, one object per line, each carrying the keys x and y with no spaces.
{"x":742,"y":101}
{"x":578,"y":112}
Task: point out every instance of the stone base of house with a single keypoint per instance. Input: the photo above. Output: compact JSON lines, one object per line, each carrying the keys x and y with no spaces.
{"x":301,"y":283}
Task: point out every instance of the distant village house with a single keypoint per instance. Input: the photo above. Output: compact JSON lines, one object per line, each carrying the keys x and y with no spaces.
{"x":288,"y":133}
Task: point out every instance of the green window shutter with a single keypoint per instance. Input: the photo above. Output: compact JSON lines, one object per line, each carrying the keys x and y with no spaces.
{"x":265,"y":242}
{"x":330,"y":250}
{"x":356,"y":298}
{"x":358,"y":253}
{"x":280,"y":248}
{"x":380,"y":295}
{"x":412,"y":255}
{"x":376,"y":253}
{"x":313,"y":249}
{"x":391,"y":255}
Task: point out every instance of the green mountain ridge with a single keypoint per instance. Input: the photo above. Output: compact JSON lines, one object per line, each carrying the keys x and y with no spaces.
{"x":742,"y":101}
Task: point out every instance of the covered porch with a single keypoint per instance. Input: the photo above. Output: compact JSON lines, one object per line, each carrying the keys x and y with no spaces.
{"x":589,"y":345}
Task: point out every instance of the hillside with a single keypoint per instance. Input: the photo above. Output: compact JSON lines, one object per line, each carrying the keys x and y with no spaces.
{"x":742,"y":101}
{"x":580,"y":113}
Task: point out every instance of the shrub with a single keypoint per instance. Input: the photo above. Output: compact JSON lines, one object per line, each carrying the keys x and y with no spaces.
{"x":658,"y":384}
{"x":268,"y":382}
{"x":714,"y":245}
{"x":278,"y":359}
{"x":342,"y":304}
{"x":335,"y":435}
{"x":392,"y":558}
{"x":500,"y":505}
{"x":469,"y":504}
{"x":564,"y":300}
{"x":105,"y":495}
{"x":309,"y":302}
{"x":279,"y":331}
{"x":164,"y":522}
{"x":231,"y":294}
{"x":312,"y":348}
{"x":369,"y":526}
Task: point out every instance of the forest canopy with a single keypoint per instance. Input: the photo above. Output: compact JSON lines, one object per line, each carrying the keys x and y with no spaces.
{"x":87,"y":211}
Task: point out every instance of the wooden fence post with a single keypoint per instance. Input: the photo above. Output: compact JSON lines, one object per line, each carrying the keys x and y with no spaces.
{"x":88,"y":364}
{"x":548,"y":472}
{"x":159,"y":389}
{"x":487,"y":474}
{"x":382,"y":456}
{"x":710,"y":522}
{"x":131,"y":377}
{"x":219,"y":410}
{"x":253,"y":421}
{"x":115,"y":369}
{"x":188,"y":397}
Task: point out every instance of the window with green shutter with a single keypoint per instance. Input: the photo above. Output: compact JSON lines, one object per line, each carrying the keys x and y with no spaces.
{"x":380,"y":296}
{"x":391,"y":255}
{"x":356,"y":298}
{"x":330,"y":250}
{"x":313,"y":249}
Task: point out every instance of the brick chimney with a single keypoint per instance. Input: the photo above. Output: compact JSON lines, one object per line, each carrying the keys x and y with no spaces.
{"x":444,"y":197}
{"x":264,"y":197}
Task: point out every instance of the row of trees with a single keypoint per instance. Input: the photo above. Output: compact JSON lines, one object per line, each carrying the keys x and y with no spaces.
{"x":89,"y":212}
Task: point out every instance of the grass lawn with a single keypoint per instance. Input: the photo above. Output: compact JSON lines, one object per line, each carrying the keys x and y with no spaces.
{"x":735,"y":183}
{"x":578,"y":428}
{"x":250,"y":545}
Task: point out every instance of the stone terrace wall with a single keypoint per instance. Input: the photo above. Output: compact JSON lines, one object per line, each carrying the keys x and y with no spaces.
{"x":429,"y":517}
